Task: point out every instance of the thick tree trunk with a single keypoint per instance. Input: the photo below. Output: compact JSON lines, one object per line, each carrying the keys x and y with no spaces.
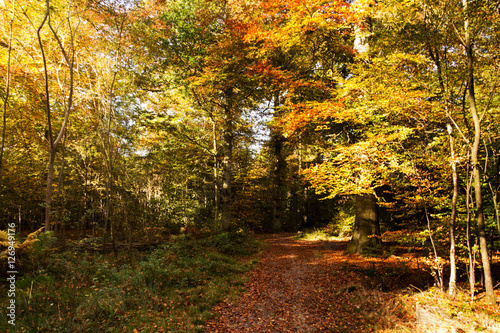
{"x":366,"y":224}
{"x":488,"y":281}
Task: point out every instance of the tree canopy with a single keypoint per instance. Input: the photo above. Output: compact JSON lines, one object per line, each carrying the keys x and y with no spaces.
{"x":125,"y":117}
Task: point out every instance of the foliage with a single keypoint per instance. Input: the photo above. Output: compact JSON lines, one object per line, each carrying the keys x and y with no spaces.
{"x":171,"y":288}
{"x":31,"y":251}
{"x":234,"y":242}
{"x":192,"y":116}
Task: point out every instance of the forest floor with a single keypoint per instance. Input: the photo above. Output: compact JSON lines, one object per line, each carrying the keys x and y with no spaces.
{"x":314,"y":286}
{"x":231,"y":282}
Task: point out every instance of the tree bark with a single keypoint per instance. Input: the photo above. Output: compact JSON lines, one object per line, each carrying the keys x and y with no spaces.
{"x":108,"y":154}
{"x":48,"y":191}
{"x":227,"y":169}
{"x":278,"y":170}
{"x":494,"y":192}
{"x":471,"y":249}
{"x":488,"y":281}
{"x":216,"y":173}
{"x":366,"y":224}
{"x":54,"y":142}
{"x":7,"y":92}
{"x":60,"y":187}
{"x":452,"y":286}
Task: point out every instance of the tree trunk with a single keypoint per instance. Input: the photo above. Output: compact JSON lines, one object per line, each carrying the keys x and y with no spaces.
{"x":452,"y":286}
{"x":227,"y":169}
{"x":366,"y":224}
{"x":278,"y":181}
{"x":488,"y":281}
{"x":471,"y":249}
{"x":278,"y":170}
{"x":48,"y":191}
{"x":53,"y":143}
{"x":494,"y":193}
{"x":7,"y":92}
{"x":216,"y":174}
{"x":60,"y":188}
{"x":362,"y":34}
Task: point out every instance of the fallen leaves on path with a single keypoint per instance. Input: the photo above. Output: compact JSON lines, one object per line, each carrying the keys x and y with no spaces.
{"x":302,"y":286}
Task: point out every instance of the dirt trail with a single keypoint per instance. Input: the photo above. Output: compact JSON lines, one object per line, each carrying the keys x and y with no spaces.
{"x":301,"y":286}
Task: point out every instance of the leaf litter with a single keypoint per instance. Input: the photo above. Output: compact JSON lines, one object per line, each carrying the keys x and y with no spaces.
{"x":303,"y":286}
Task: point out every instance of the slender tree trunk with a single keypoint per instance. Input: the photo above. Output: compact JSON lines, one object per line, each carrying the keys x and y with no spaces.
{"x":494,"y":193}
{"x":108,"y":153}
{"x":7,"y":92}
{"x":112,"y":234}
{"x":216,"y":174}
{"x":48,"y":191}
{"x":452,"y":287}
{"x":301,"y":199}
{"x":60,"y":187}
{"x":438,"y":268}
{"x":497,"y":184}
{"x":19,"y":219}
{"x":470,"y":248}
{"x":494,"y":196}
{"x":50,"y":171}
{"x":227,"y":169}
{"x":488,"y":281}
{"x":278,"y":170}
{"x":278,"y":182}
{"x":109,"y":181}
{"x":295,"y":188}
{"x":53,"y":142}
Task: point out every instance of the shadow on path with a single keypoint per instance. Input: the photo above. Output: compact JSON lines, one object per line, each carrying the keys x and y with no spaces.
{"x":303,"y":286}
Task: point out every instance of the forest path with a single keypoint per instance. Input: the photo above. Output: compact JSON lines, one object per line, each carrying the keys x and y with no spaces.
{"x":298,"y":286}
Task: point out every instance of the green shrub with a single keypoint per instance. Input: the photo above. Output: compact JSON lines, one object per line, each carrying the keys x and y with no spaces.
{"x":233,"y":242}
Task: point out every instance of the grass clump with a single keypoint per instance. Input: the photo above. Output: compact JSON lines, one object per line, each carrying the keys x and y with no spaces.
{"x":171,"y":288}
{"x":316,"y":235}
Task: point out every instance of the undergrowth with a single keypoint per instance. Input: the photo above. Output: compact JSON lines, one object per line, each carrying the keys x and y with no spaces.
{"x":315,"y":235}
{"x":171,"y":288}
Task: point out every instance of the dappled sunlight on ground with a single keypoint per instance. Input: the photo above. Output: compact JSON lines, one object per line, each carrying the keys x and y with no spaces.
{"x":313,"y":286}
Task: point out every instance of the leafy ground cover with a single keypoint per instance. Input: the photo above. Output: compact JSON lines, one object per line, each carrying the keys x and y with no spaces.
{"x":218,"y":283}
{"x":309,"y":284}
{"x":169,"y":289}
